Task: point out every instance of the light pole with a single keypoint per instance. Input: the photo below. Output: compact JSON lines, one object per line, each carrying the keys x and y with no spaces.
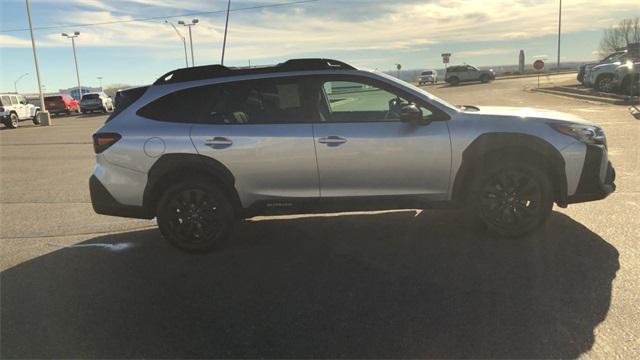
{"x":193,"y":23}
{"x":75,"y":58}
{"x":184,"y":42}
{"x":559,"y":28}
{"x":43,"y":117}
{"x":100,"y":79}
{"x":15,"y":83}
{"x":226,"y":26}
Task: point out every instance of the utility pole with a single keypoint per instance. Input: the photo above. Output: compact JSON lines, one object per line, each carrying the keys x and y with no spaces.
{"x":15,"y":83}
{"x":75,"y":58}
{"x":559,"y":31}
{"x":193,"y":23}
{"x":45,"y":119}
{"x":100,"y":79}
{"x":226,"y":26}
{"x":184,"y":42}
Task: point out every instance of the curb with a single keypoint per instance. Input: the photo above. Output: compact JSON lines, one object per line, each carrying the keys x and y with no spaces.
{"x":613,"y":101}
{"x":533,"y":75}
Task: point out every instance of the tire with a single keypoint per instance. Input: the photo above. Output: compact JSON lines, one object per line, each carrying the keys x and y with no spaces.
{"x":512,"y":198}
{"x":12,"y":122}
{"x":454,"y":81}
{"x":604,"y":83}
{"x":208,"y":215}
{"x":104,"y":109}
{"x":35,"y":119}
{"x":484,"y":79}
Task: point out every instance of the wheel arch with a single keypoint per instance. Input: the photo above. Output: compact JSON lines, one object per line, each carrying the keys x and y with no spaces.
{"x":171,"y":168}
{"x":492,"y":146}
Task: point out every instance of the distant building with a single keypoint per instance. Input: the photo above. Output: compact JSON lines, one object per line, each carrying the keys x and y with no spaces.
{"x":73,"y":91}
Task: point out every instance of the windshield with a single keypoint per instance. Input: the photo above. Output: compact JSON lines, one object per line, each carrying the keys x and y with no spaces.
{"x":428,"y":72}
{"x":91,"y":97}
{"x":416,"y":89}
{"x":53,"y":98}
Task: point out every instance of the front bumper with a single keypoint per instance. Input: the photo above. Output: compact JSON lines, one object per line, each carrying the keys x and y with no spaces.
{"x":597,"y":179}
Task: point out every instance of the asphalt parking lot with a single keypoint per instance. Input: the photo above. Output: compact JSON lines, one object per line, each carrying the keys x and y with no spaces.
{"x":367,"y":285}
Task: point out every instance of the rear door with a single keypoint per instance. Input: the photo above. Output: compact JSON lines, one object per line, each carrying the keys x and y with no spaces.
{"x":261,"y":130}
{"x":17,"y":106}
{"x":364,"y":150}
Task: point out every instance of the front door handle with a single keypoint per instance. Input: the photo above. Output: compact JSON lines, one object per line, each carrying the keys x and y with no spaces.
{"x":332,"y":140}
{"x":218,"y":142}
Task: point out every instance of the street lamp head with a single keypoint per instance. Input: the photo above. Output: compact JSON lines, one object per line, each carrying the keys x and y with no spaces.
{"x":64,"y":34}
{"x":181,"y":22}
{"x":195,"y":21}
{"x":76,"y":33}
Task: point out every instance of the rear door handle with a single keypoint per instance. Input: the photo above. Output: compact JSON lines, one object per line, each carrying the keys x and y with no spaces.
{"x":332,"y":140}
{"x":218,"y":142}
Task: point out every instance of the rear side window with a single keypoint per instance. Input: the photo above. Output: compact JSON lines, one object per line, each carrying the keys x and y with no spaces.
{"x":124,"y":98}
{"x":265,"y":101}
{"x":5,"y":101}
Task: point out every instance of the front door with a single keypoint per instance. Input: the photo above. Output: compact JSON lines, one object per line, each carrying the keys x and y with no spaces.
{"x":261,"y":131}
{"x":363,"y":148}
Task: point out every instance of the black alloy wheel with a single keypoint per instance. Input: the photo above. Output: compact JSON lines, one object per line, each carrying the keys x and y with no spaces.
{"x":514,"y":200}
{"x":195,"y":216}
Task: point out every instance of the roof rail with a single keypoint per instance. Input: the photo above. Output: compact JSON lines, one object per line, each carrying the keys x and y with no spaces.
{"x":214,"y":71}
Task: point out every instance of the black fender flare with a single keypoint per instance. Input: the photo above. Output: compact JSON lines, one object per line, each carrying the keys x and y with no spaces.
{"x":170,"y":167}
{"x":500,"y":142}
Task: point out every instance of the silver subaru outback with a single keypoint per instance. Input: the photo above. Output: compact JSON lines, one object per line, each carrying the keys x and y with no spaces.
{"x":204,"y":146}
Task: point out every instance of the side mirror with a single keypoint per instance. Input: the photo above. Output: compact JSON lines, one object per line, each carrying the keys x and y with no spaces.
{"x":410,"y":113}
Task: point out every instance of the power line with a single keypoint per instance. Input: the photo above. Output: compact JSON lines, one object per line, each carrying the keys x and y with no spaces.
{"x":162,"y":17}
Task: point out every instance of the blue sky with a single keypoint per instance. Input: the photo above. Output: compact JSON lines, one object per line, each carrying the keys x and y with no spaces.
{"x":366,"y":33}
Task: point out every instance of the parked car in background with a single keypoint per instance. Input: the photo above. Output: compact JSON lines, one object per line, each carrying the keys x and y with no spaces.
{"x":206,"y":145}
{"x":98,"y":101}
{"x":61,"y":104}
{"x":428,"y":77}
{"x":600,"y":77}
{"x":584,"y":68}
{"x":466,"y":73}
{"x":627,"y":78}
{"x":14,"y":108}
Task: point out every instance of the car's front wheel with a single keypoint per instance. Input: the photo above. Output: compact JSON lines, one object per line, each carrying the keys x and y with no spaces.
{"x":36,"y":118}
{"x":604,"y":83}
{"x":195,"y":215}
{"x":484,"y":78}
{"x":512,"y":198}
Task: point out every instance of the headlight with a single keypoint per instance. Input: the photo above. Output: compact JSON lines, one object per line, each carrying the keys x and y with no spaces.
{"x":587,"y":134}
{"x":629,"y":64}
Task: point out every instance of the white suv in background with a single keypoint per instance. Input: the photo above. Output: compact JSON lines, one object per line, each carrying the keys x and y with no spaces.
{"x":98,"y":101}
{"x":428,"y":77}
{"x":14,"y":108}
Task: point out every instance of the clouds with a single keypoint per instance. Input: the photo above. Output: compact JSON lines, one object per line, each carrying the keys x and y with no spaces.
{"x":323,"y":26}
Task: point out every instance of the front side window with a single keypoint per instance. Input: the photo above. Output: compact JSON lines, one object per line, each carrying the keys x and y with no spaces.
{"x":354,"y":101}
{"x":266,"y":101}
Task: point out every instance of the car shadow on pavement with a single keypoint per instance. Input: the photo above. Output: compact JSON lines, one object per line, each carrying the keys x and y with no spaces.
{"x":383,"y":285}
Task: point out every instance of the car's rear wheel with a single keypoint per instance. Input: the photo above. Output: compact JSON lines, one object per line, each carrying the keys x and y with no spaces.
{"x":512,"y":198}
{"x":36,"y":119}
{"x":12,"y":121}
{"x":604,"y":83}
{"x":454,"y":81}
{"x":195,"y":215}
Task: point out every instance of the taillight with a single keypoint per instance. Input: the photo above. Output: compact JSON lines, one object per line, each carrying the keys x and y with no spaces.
{"x":102,"y":141}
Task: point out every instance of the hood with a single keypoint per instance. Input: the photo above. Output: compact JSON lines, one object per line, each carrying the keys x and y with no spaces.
{"x":526,"y":113}
{"x":607,"y":65}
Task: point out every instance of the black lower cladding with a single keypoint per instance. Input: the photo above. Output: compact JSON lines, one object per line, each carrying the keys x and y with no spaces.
{"x":591,"y":187}
{"x":104,"y":203}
